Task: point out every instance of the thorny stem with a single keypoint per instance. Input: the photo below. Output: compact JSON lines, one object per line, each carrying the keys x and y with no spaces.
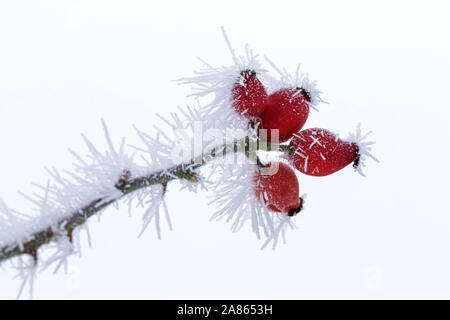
{"x":81,"y":216}
{"x":127,"y":185}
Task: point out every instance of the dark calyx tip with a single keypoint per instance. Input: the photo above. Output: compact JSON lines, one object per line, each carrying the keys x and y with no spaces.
{"x":294,"y":212}
{"x":357,"y":158}
{"x":305,"y":93}
{"x":248,"y":72}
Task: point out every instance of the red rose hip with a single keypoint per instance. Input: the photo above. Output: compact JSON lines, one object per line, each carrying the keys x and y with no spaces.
{"x":249,"y":95}
{"x":319,"y":152}
{"x":286,"y":110}
{"x":279,"y":191}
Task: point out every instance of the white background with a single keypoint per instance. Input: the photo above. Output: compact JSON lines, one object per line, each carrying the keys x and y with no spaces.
{"x":66,"y":64}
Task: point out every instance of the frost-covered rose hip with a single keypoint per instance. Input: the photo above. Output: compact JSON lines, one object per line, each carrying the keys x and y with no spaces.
{"x":279,"y":191}
{"x":319,"y":152}
{"x":286,"y":110}
{"x":249,"y":95}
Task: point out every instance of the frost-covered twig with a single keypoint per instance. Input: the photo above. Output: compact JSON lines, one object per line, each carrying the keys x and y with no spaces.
{"x":80,"y":216}
{"x":126,"y":185}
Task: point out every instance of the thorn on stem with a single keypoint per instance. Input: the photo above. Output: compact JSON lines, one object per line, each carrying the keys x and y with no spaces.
{"x":70,"y":235}
{"x":33,"y":252}
{"x":164,"y":185}
{"x":123,"y":180}
{"x":191,"y":176}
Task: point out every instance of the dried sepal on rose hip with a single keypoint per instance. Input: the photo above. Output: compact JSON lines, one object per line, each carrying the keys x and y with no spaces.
{"x":248,"y":94}
{"x":278,"y":190}
{"x":286,"y":110}
{"x":319,"y":152}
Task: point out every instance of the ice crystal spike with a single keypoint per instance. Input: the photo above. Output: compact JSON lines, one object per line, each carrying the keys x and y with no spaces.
{"x":298,"y":80}
{"x":216,"y":83}
{"x":364,"y":149}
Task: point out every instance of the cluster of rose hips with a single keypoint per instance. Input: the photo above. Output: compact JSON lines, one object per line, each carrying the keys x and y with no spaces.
{"x":315,"y":152}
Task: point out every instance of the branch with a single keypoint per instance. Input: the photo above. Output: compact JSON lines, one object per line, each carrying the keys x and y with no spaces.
{"x":81,"y":216}
{"x":127,"y":185}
